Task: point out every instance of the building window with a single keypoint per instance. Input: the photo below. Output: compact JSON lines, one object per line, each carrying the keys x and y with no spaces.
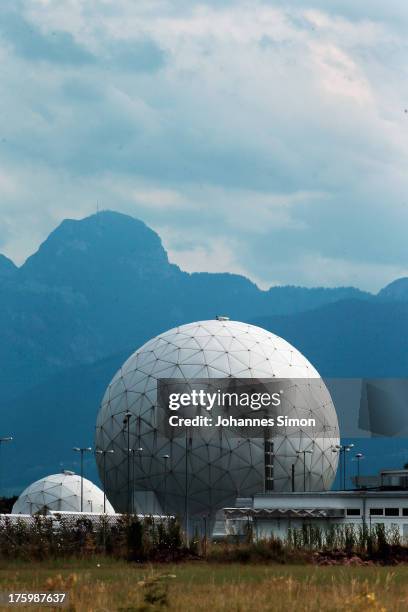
{"x":353,"y":511}
{"x":405,"y":512}
{"x":376,"y":511}
{"x":391,"y":511}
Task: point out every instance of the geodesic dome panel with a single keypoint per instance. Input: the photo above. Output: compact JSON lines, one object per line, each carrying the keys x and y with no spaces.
{"x":206,"y":469}
{"x":61,"y":492}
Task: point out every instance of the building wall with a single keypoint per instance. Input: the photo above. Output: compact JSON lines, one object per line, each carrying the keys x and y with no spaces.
{"x":265,"y":528}
{"x":342,"y":508}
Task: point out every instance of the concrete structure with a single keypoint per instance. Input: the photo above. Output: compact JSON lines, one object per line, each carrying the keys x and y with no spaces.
{"x":208,"y":468}
{"x":273,"y":514}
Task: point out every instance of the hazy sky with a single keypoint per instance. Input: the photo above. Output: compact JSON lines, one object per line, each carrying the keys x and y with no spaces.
{"x":266,"y":138}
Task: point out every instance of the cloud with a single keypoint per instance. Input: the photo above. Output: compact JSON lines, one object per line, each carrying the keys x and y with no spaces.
{"x":276,"y":129}
{"x":338,"y":272}
{"x":216,"y":255}
{"x":141,"y":55}
{"x":30,"y":43}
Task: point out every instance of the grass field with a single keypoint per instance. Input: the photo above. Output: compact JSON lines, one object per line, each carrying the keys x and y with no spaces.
{"x":100,"y":584}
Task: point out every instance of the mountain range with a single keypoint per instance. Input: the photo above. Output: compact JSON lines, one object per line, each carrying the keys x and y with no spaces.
{"x":98,"y":288}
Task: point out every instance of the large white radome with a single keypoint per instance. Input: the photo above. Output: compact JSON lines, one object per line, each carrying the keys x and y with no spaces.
{"x":61,"y":492}
{"x":219,"y":467}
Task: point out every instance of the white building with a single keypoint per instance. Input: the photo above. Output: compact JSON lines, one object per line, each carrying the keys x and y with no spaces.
{"x":273,"y":514}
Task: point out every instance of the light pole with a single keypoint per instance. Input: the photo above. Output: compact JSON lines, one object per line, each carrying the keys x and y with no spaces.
{"x":186,"y":509}
{"x":82,"y":450}
{"x":342,"y":449}
{"x":303,"y":452}
{"x":166,"y":458}
{"x":139,"y":452}
{"x":104,"y":453}
{"x":358,"y":457}
{"x":347,"y":449}
{"x":205,"y":535}
{"x":2,"y":440}
{"x":133,"y":451}
{"x":126,"y":423}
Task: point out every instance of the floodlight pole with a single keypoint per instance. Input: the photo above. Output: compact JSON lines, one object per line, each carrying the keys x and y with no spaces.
{"x":126,"y":423}
{"x":83,"y":450}
{"x":346,"y":449}
{"x":205,"y":535}
{"x":2,"y":440}
{"x":139,"y":451}
{"x":132,"y":500}
{"x":186,"y":487}
{"x":166,"y":458}
{"x":358,"y":457}
{"x":342,"y":449}
{"x":132,"y":451}
{"x":303,"y":452}
{"x":104,"y":453}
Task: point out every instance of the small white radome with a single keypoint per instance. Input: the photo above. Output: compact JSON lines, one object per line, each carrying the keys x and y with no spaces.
{"x":61,"y":492}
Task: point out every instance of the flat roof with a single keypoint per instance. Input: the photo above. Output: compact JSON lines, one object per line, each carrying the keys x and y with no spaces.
{"x":285,"y":512}
{"x":332,"y":494}
{"x":402,"y":471}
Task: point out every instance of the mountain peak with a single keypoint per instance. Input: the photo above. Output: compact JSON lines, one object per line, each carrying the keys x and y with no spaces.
{"x":102,"y":244}
{"x":397,"y":290}
{"x":7,"y":267}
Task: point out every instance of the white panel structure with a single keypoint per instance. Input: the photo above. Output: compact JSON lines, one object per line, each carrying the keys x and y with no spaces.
{"x":61,"y":492}
{"x":207,"y":470}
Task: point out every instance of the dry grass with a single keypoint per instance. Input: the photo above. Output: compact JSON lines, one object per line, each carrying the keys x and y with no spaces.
{"x":105,"y":585}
